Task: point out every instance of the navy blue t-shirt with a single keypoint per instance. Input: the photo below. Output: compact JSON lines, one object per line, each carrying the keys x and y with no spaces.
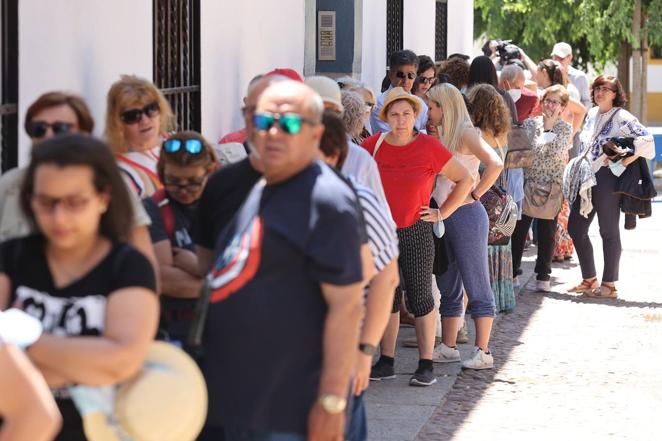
{"x":183,"y":216}
{"x":264,"y":332}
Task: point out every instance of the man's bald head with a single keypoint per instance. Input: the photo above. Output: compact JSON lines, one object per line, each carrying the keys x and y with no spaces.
{"x":286,"y":151}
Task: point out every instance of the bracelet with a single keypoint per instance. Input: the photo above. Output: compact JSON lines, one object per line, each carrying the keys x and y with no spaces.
{"x":473,"y":196}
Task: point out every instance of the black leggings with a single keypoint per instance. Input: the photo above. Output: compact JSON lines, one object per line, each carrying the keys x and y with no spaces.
{"x":415,"y":261}
{"x":606,"y":205}
{"x":546,"y":232}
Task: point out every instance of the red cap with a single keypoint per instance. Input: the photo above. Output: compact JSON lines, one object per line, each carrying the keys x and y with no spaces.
{"x":285,"y":72}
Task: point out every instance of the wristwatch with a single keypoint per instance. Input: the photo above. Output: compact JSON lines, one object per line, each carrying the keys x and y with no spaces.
{"x":367,"y":348}
{"x":333,"y":404}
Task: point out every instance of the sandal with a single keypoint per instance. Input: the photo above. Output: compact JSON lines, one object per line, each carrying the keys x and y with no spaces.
{"x":603,"y":292}
{"x":586,"y":286}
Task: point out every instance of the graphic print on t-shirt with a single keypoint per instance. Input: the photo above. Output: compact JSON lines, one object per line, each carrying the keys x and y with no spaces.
{"x":238,"y":263}
{"x":64,"y":316}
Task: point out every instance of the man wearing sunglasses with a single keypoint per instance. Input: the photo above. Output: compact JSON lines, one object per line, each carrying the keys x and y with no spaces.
{"x":403,"y":66}
{"x":288,"y":276}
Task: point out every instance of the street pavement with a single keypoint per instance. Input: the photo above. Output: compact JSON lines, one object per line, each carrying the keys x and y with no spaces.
{"x":566,"y":367}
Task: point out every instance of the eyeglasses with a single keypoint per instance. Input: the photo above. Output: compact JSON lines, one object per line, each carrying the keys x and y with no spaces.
{"x":551,"y":102}
{"x":38,"y":129}
{"x":71,"y":204}
{"x":426,"y":80}
{"x":134,"y":116}
{"x":603,"y":89}
{"x":289,"y":123}
{"x":402,"y":75}
{"x":191,"y":186}
{"x":192,"y":146}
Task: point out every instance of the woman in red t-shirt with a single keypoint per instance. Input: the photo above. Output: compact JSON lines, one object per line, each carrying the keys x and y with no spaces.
{"x":408,"y":164}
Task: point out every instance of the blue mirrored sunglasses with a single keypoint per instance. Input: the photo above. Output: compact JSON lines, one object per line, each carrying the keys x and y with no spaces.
{"x":289,"y":123}
{"x":192,"y":146}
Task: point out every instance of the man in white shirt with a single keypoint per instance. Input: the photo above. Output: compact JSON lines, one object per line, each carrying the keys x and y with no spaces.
{"x":403,"y":66}
{"x":562,"y":52}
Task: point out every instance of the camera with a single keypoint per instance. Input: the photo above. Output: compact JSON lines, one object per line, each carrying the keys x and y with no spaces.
{"x":507,"y":51}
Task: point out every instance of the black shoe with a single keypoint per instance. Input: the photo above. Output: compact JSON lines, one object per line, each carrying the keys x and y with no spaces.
{"x":423,"y":377}
{"x":382,"y":371}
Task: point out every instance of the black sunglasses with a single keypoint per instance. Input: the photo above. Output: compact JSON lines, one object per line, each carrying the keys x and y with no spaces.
{"x":134,"y":116}
{"x":38,"y":129}
{"x":409,"y":75}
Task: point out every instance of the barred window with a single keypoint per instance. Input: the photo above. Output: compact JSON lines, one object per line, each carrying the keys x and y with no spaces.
{"x":177,"y":58}
{"x":394,"y":14}
{"x":441,"y":31}
{"x":9,"y":80}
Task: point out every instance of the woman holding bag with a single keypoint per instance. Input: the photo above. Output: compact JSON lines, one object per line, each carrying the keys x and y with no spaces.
{"x":604,"y":121}
{"x":550,"y":136}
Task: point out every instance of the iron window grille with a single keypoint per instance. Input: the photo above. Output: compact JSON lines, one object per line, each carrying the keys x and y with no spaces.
{"x":177,"y":58}
{"x":441,"y":31}
{"x":9,"y":103}
{"x":394,"y":14}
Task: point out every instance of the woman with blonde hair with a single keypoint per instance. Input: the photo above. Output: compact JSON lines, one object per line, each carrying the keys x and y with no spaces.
{"x":491,"y":115}
{"x":137,"y":118}
{"x":466,"y":229}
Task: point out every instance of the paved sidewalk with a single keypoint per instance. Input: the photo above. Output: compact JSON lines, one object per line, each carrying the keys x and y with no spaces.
{"x":567,"y":367}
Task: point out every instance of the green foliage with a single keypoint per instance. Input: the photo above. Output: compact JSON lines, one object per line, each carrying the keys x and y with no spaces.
{"x":594,"y":28}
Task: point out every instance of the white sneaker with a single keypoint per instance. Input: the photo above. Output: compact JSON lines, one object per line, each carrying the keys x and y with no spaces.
{"x":462,"y":334}
{"x":480,"y":360}
{"x":515,"y":282}
{"x":445,"y":354}
{"x":543,"y":285}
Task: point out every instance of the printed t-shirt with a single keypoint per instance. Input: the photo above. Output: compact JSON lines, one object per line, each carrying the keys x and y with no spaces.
{"x":77,"y":309}
{"x":226,"y":189}
{"x":139,"y":171}
{"x":184,"y":221}
{"x":408,"y":173}
{"x":266,"y":300}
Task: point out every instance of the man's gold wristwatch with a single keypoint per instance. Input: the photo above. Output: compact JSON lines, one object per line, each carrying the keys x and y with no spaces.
{"x":332,"y":403}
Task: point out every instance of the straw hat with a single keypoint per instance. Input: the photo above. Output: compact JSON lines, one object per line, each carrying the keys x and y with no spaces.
{"x":398,"y":93}
{"x":328,"y":89}
{"x":165,"y":401}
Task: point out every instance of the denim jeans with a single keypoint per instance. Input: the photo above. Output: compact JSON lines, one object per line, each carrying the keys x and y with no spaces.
{"x":357,"y":427}
{"x":239,"y":434}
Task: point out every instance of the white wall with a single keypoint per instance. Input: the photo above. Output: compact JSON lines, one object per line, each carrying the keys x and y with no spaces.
{"x":418,"y":26}
{"x":655,"y":78}
{"x":81,"y":46}
{"x":239,"y":40}
{"x":373,"y":46}
{"x":460,"y":27}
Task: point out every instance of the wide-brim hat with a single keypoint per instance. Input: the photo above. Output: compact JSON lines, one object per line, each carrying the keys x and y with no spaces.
{"x":165,"y":401}
{"x":398,"y":93}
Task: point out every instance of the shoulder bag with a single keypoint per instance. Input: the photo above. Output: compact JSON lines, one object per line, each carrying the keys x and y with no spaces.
{"x":519,"y":154}
{"x":501,"y":210}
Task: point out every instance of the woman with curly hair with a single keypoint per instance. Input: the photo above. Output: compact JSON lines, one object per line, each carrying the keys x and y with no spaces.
{"x":457,"y":72}
{"x":137,"y":118}
{"x":491,"y":116}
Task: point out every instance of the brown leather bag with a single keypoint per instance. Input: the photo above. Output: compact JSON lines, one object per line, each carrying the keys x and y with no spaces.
{"x":519,"y":154}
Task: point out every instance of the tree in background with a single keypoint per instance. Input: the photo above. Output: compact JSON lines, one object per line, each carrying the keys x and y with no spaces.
{"x":598,"y":30}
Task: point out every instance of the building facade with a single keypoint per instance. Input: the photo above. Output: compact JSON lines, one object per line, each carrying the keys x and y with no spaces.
{"x":203,"y":53}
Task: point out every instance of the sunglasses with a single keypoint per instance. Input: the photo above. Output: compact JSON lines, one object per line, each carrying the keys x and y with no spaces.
{"x":38,"y":129}
{"x":70,"y":204}
{"x":134,"y":116}
{"x":426,"y":80}
{"x":190,"y":186}
{"x":402,"y":75}
{"x":289,"y":123}
{"x":192,"y":146}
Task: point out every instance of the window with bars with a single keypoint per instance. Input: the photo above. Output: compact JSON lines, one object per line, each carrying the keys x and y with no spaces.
{"x":177,"y":58}
{"x":394,"y":13}
{"x":9,"y":72}
{"x":441,"y":31}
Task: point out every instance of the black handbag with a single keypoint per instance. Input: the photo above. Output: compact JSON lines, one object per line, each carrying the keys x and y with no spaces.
{"x":440,"y":264}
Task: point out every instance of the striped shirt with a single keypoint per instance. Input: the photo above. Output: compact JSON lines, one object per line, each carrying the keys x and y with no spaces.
{"x":380,"y":227}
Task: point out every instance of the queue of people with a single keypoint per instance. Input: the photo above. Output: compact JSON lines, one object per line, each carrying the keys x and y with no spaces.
{"x":297,"y":259}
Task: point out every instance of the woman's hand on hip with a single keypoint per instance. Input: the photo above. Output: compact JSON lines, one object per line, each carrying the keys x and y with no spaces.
{"x":431,"y":215}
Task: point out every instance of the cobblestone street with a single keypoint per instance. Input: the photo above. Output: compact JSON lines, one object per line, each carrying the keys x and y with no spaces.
{"x":567,"y":367}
